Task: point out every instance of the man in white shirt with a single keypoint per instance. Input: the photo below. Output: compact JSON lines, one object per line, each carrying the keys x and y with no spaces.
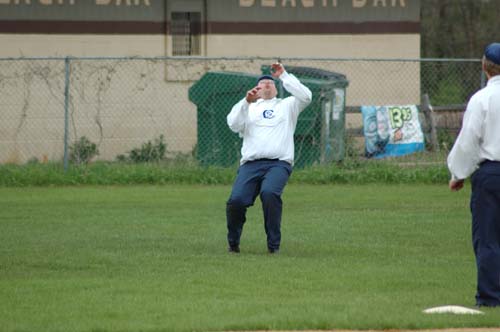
{"x":267,"y":125}
{"x":477,"y":152}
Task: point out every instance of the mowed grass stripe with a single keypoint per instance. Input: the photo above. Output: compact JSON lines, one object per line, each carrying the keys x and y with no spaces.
{"x":153,"y":258}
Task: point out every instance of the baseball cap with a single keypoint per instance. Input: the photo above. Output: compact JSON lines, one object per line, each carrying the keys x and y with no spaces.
{"x":492,"y":53}
{"x":265,"y":77}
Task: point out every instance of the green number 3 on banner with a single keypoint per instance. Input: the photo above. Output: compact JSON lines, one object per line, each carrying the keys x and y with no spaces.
{"x":399,"y":115}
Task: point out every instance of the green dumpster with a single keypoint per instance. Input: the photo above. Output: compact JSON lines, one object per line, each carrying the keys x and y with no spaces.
{"x":319,"y":136}
{"x":320,"y":133}
{"x":214,"y":95}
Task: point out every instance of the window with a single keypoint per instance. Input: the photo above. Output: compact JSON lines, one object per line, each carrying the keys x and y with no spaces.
{"x":186,"y":33}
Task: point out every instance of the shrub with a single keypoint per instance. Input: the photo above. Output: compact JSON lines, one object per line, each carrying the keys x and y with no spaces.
{"x":148,"y":152}
{"x":82,"y":151}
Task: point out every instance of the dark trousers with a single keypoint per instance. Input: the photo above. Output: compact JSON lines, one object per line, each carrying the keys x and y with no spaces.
{"x":266,"y":178}
{"x":485,"y":208}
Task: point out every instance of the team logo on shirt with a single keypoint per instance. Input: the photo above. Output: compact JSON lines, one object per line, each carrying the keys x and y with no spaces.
{"x":268,"y":114}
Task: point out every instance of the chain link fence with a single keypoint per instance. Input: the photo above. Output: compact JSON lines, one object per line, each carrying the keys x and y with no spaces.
{"x":151,"y":109}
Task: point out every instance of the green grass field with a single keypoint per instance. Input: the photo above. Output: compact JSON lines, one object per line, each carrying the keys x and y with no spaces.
{"x":153,"y":258}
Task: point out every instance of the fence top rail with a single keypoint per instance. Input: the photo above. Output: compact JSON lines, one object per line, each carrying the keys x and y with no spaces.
{"x":441,"y":108}
{"x":202,"y":58}
{"x":32,"y":58}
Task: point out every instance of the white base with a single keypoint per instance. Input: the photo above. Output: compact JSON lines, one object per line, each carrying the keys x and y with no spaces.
{"x":452,"y":309}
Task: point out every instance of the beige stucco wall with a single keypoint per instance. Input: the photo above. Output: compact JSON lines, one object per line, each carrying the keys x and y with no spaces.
{"x":406,"y":46}
{"x":34,"y":45}
{"x":365,"y":77}
{"x":332,"y":46}
{"x":121,"y":105}
{"x":117,"y":104}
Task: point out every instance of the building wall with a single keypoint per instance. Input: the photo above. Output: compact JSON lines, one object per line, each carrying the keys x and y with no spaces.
{"x":397,"y":46}
{"x":78,"y":45}
{"x":393,"y":46}
{"x":337,"y":28}
{"x":231,"y":28}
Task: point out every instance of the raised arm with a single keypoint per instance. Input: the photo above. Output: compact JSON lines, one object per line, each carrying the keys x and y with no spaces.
{"x":292,"y":84}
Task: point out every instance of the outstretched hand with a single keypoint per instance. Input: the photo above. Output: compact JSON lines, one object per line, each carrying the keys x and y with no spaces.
{"x":456,"y":185}
{"x":277,"y":69}
{"x":253,"y":95}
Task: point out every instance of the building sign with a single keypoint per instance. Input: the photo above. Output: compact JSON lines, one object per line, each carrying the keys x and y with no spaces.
{"x":322,"y":10}
{"x":83,"y":16}
{"x":221,"y":16}
{"x":82,"y":10}
{"x":322,"y":3}
{"x":73,"y":2}
{"x":315,"y":16}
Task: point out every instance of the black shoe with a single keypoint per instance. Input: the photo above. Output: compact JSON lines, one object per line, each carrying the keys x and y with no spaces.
{"x":234,"y":249}
{"x":273,"y":251}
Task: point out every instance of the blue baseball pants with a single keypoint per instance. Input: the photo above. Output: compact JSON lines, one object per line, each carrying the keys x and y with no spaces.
{"x":485,"y":209}
{"x":264,"y":177}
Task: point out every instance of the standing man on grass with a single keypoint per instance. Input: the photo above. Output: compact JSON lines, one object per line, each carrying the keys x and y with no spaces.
{"x":267,"y":125}
{"x":477,"y":152}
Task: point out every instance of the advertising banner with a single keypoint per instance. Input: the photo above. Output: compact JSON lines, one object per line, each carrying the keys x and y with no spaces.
{"x":391,"y":130}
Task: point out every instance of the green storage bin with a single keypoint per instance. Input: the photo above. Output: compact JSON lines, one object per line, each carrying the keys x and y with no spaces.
{"x":320,"y":133}
{"x":319,"y":136}
{"x":214,"y":95}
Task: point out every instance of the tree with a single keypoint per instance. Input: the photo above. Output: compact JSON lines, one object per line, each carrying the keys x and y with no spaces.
{"x":458,"y":28}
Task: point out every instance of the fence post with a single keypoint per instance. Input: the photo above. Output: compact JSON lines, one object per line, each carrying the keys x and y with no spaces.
{"x":66,"y":110}
{"x":430,"y":121}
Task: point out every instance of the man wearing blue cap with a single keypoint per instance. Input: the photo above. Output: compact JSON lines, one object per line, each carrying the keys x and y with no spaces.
{"x":267,"y":125}
{"x":477,"y":152}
